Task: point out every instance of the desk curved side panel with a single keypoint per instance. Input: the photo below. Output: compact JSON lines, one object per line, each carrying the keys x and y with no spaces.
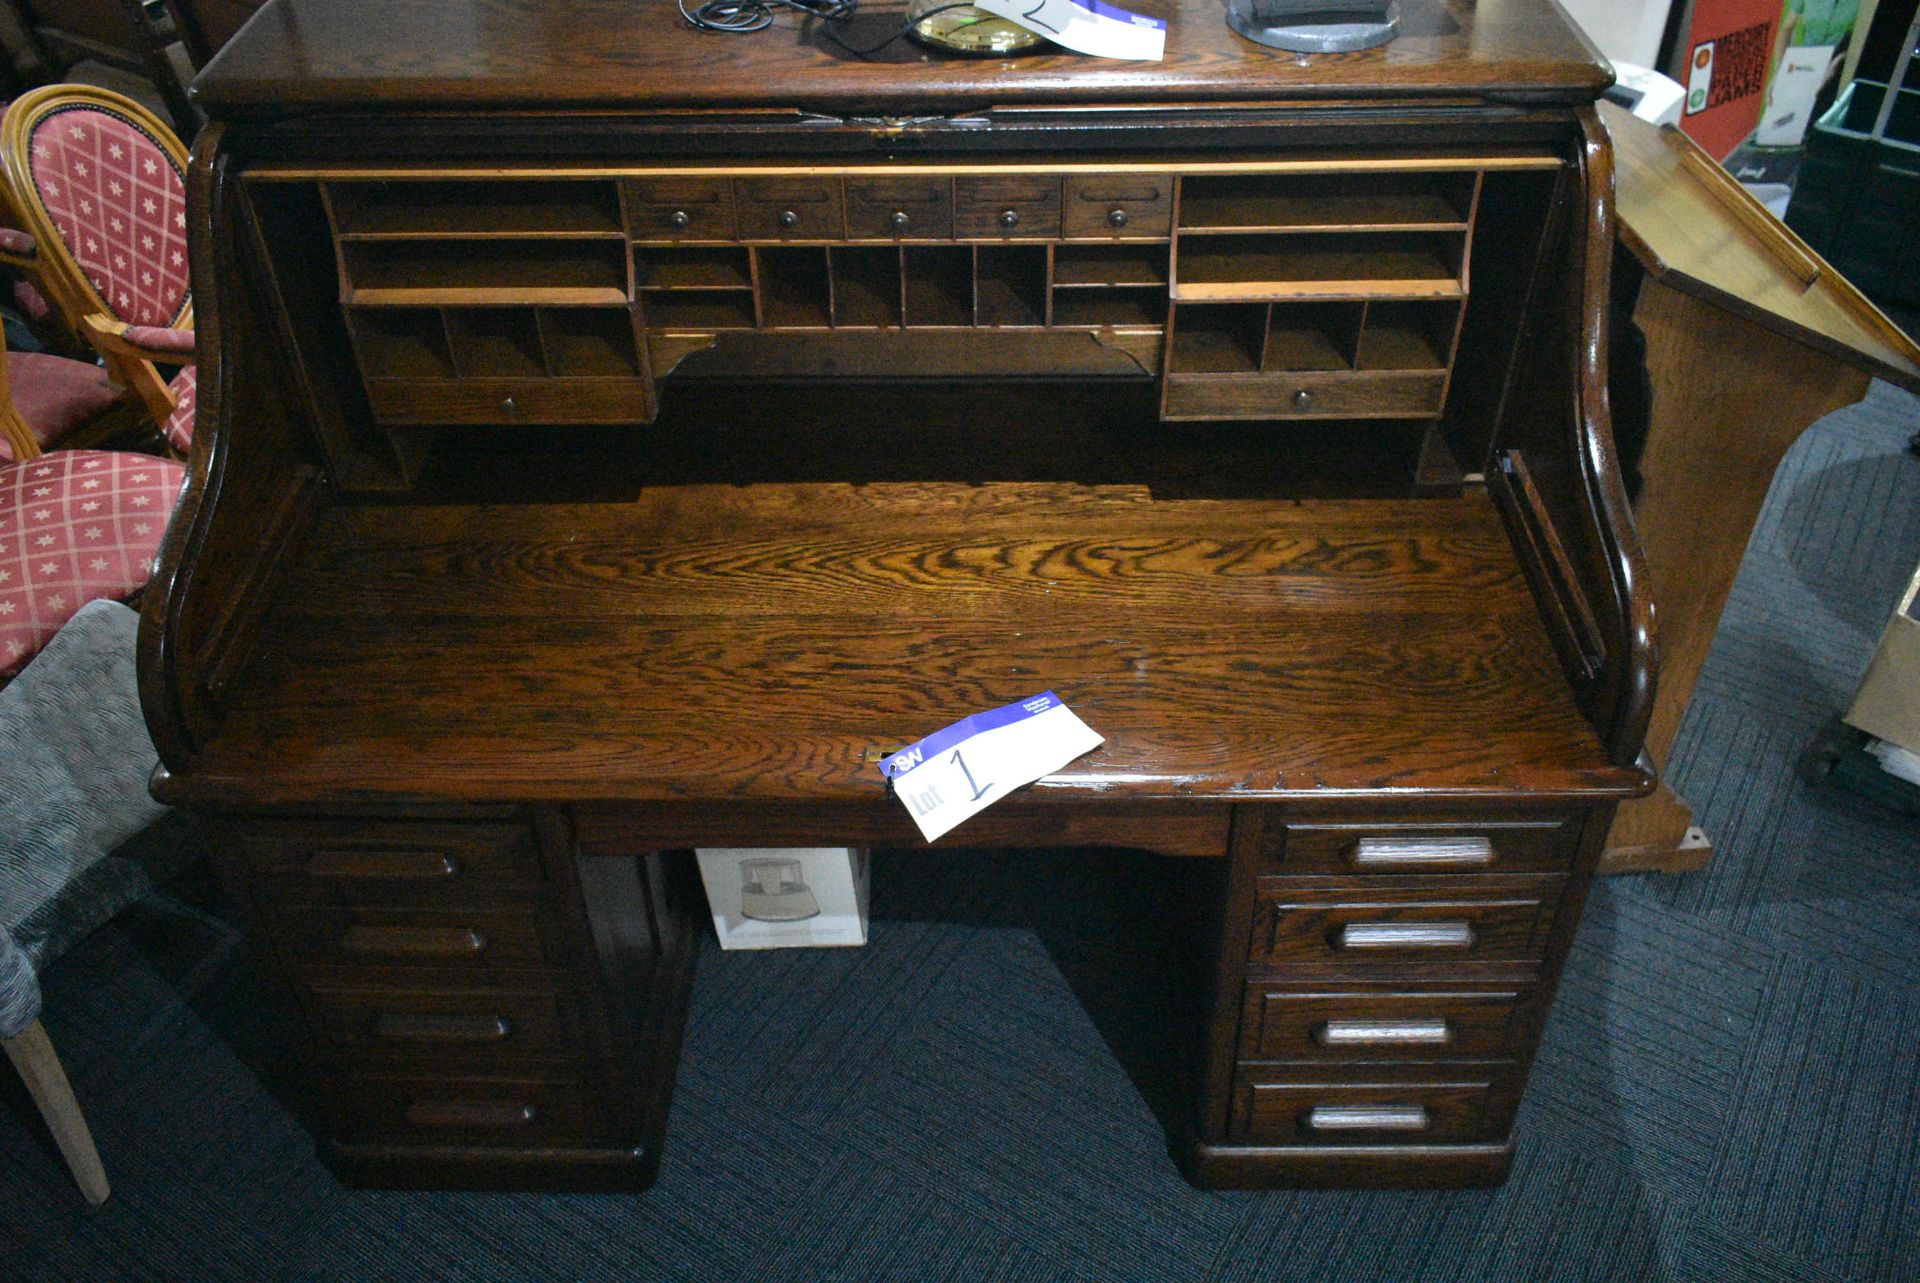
{"x":216,"y":565}
{"x":1556,"y":473}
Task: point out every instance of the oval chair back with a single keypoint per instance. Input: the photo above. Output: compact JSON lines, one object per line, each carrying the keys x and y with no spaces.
{"x":100,"y":183}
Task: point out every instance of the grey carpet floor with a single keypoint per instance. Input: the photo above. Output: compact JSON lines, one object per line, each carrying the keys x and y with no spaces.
{"x":1728,"y":1087}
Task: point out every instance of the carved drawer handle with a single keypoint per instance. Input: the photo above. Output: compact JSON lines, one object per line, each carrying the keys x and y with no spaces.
{"x":1384,"y":1033}
{"x":442,"y":1028}
{"x":467,"y":1113}
{"x":415,"y":942}
{"x":1370,"y":1118}
{"x":1406,"y":935}
{"x":1394,"y":852}
{"x":417,"y":865}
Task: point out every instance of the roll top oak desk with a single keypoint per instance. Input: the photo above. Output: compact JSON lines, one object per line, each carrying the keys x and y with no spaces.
{"x":617,"y":436}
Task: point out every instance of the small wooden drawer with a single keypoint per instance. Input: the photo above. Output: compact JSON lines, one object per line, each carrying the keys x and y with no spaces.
{"x":1355,"y":921}
{"x":472,"y":1026}
{"x":476,"y":941}
{"x":1338,"y":395}
{"x":1118,"y":205}
{"x":1013,"y":208}
{"x":1360,"y":1107}
{"x":509,"y":401}
{"x":680,"y":209}
{"x":882,"y":209}
{"x":389,"y":861}
{"x":1318,"y":1026}
{"x":789,"y":209}
{"x":503,"y":1111}
{"x":1438,"y":845}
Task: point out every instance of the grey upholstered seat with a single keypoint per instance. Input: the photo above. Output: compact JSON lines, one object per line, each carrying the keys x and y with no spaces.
{"x":74,"y":763}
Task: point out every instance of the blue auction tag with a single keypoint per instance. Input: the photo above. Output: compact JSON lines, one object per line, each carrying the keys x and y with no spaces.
{"x":1087,"y":26}
{"x":964,"y":768}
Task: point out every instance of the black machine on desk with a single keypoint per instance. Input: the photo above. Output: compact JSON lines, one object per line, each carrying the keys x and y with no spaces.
{"x":1314,"y":26}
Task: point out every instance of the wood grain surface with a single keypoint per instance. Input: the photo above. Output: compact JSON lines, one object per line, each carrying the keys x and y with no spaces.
{"x":754,"y":643}
{"x":349,"y":55}
{"x":1695,"y":229}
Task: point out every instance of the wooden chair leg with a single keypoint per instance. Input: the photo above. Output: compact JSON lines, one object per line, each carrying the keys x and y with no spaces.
{"x":31,"y":1052}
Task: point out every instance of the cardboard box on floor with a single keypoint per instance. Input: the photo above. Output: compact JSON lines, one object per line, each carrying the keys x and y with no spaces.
{"x":786,"y":897}
{"x":1888,"y":704}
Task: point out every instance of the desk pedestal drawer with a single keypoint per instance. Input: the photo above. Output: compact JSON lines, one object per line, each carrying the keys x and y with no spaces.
{"x":389,"y":862}
{"x":1445,"y":1106}
{"x":1436,"y":845}
{"x":467,"y":1027}
{"x":1318,"y":921}
{"x":1316,"y":1025}
{"x":473,"y":942}
{"x":501,"y":1111}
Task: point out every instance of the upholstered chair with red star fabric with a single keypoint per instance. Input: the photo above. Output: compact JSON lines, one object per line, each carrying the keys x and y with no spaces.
{"x":48,"y":400}
{"x":100,"y":185}
{"x":76,"y":526}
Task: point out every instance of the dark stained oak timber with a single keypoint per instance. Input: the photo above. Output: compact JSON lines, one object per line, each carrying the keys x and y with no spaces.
{"x":1721,"y":275}
{"x":576,"y":652}
{"x":615,"y":438}
{"x":371,"y":55}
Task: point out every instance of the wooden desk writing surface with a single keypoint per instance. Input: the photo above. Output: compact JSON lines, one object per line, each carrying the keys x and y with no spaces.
{"x":580,"y":486}
{"x":758,"y":644}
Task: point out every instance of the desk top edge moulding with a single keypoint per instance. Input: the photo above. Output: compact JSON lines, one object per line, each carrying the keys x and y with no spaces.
{"x":615,"y":436}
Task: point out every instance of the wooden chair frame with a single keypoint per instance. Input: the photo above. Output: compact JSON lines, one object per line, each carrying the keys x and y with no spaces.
{"x":55,"y":330}
{"x":13,"y":428}
{"x":122,"y":419}
{"x":65,"y":284}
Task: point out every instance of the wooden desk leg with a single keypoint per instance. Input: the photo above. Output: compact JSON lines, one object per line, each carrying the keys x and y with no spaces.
{"x":1729,"y":398}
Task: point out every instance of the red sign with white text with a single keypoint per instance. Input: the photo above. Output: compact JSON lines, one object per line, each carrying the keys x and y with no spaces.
{"x":1729,"y":53}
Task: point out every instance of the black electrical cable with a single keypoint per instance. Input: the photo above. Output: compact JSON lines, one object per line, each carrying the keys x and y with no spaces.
{"x":740,"y":16}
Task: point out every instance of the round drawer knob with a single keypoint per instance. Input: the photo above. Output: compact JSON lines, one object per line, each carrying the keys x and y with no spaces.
{"x":898,"y":220}
{"x":788,"y":219}
{"x":1117,"y":218}
{"x":508,"y":407}
{"x":1303,"y":400}
{"x":1009,"y":218}
{"x":681,"y":219}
